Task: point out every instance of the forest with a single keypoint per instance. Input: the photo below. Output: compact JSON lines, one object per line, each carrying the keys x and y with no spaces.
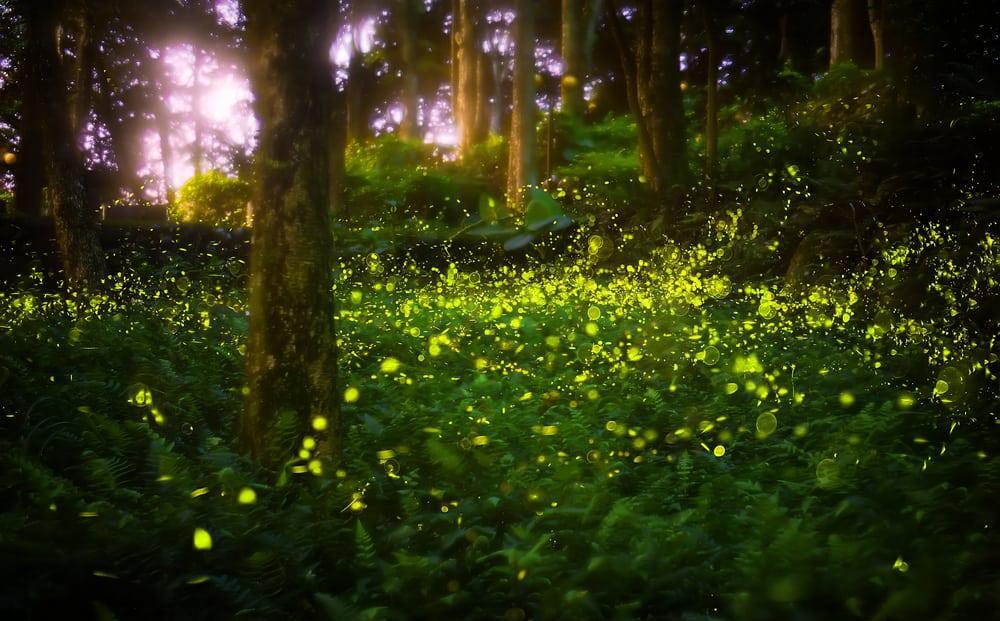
{"x":499,"y":309}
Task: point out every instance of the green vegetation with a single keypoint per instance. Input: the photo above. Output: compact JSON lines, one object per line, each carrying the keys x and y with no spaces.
{"x":489,"y":311}
{"x":560,"y":440}
{"x":212,"y":198}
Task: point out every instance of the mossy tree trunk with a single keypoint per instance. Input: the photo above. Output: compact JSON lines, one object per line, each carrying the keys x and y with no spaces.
{"x":75,"y":223}
{"x":521,"y":166}
{"x":291,"y":354}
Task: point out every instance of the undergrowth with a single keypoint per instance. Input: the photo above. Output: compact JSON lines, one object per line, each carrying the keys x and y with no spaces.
{"x":585,"y":438}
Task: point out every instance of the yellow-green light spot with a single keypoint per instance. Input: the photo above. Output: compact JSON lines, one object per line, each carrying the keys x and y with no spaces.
{"x":247,"y":496}
{"x":202,"y":540}
{"x":390,"y":365}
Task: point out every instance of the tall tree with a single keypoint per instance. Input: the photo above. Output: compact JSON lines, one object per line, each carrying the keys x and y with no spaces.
{"x":710,"y":14}
{"x":48,"y":22}
{"x":466,"y":91}
{"x":405,"y":13}
{"x":843,"y":43}
{"x":571,"y":87}
{"x":521,"y":166}
{"x":651,"y":65}
{"x":876,"y":21}
{"x":579,"y":28}
{"x":291,"y":354}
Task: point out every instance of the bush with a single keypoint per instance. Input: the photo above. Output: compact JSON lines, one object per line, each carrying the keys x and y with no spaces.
{"x":406,"y":179}
{"x":212,"y":198}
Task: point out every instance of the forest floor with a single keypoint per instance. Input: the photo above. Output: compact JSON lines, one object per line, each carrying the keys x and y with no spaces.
{"x":563,"y":440}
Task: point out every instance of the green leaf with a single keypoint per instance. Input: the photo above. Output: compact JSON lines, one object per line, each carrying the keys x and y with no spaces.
{"x":542,"y":210}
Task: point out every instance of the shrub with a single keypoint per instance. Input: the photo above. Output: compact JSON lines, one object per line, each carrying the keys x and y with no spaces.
{"x":404,"y":179}
{"x":212,"y":198}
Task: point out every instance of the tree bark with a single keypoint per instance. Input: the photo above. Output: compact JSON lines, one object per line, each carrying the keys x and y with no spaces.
{"x":408,"y":128}
{"x":484,"y":88}
{"x":573,"y":35}
{"x":162,"y":116}
{"x":629,"y":65}
{"x":843,"y":47}
{"x":522,"y":169}
{"x":291,"y":353}
{"x":711,"y":93}
{"x":357,"y":124}
{"x":876,"y":21}
{"x":466,"y":99}
{"x":660,"y":94}
{"x":75,"y":224}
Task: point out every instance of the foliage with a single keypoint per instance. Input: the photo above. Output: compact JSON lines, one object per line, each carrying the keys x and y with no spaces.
{"x":212,"y":198}
{"x":393,"y":178}
{"x":564,"y":440}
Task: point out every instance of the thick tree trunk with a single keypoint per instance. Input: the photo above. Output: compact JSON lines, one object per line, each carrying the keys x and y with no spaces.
{"x":75,"y":224}
{"x":466,"y":100}
{"x":80,"y":95}
{"x":876,"y":21}
{"x":573,"y":41}
{"x":843,"y":46}
{"x":291,"y":353}
{"x":521,"y":169}
{"x":408,"y":128}
{"x":593,"y":20}
{"x":712,"y":93}
{"x":660,"y":94}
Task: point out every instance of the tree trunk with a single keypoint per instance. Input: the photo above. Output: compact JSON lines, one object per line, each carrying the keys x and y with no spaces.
{"x":484,"y":88}
{"x":84,"y":53}
{"x":843,"y":47}
{"x":408,"y":128}
{"x":785,"y":49}
{"x":660,"y":94}
{"x":466,"y":100}
{"x":590,"y":33}
{"x":573,"y":34}
{"x":711,"y":94}
{"x":522,"y":170}
{"x":75,"y":224}
{"x":629,"y":65}
{"x":876,"y":21}
{"x":197,"y":147}
{"x":291,"y":353}
{"x":357,"y":124}
{"x":166,"y":150}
